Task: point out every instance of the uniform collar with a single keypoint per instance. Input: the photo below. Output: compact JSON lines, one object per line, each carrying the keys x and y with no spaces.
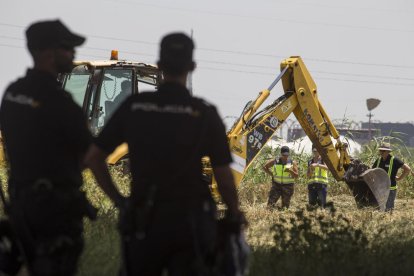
{"x":173,"y":88}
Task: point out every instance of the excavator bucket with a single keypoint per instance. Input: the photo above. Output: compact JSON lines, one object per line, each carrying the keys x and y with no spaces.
{"x":379,"y":183}
{"x":370,"y":187}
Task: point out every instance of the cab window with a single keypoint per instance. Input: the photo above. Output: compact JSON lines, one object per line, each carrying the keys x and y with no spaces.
{"x":76,"y":84}
{"x":116,"y":86}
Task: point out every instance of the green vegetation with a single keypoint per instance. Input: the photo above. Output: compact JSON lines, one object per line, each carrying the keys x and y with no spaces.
{"x":340,"y":240}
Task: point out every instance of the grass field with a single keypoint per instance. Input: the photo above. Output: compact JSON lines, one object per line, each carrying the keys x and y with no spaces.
{"x":340,"y":240}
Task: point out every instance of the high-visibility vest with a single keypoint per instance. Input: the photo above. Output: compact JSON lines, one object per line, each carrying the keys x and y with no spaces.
{"x":389,"y":170}
{"x":280,"y":175}
{"x":319,"y":175}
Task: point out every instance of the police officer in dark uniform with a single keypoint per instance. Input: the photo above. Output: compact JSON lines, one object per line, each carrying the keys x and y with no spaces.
{"x":46,"y":137}
{"x":173,"y":223}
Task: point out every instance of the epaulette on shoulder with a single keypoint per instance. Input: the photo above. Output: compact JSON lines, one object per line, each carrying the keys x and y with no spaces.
{"x":144,"y":96}
{"x":204,"y":102}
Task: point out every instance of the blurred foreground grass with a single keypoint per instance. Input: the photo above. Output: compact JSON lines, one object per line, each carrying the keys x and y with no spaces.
{"x":341,"y":240}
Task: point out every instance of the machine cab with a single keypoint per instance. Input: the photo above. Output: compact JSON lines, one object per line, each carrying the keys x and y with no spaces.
{"x":100,"y":87}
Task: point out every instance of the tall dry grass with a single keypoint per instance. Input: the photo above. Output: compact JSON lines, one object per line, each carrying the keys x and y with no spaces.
{"x":341,"y":240}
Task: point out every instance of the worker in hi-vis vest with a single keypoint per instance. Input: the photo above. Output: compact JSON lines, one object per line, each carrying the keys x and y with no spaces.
{"x":317,"y":179}
{"x":284,"y":172}
{"x":391,"y":165}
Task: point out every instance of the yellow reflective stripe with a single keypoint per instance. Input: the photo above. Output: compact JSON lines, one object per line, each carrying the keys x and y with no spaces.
{"x":321,"y":180}
{"x":324,"y":173}
{"x":389,"y":170}
{"x":390,"y":166}
{"x":284,"y":180}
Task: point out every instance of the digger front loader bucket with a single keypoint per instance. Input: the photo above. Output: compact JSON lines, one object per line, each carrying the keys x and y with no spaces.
{"x":371,"y":188}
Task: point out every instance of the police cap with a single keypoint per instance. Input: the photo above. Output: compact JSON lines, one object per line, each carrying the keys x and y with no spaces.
{"x":51,"y":34}
{"x":176,"y":50}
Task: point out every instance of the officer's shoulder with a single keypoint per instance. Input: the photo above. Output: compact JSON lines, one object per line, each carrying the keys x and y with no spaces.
{"x":62,"y":100}
{"x":143,"y":96}
{"x":203,"y":104}
{"x":62,"y":95}
{"x":17,"y":85}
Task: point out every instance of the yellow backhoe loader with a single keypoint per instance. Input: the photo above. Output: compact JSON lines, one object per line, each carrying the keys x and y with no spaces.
{"x":254,"y":128}
{"x":99,"y":87}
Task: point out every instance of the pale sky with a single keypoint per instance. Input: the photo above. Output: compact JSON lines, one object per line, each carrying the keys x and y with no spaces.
{"x":354,"y":49}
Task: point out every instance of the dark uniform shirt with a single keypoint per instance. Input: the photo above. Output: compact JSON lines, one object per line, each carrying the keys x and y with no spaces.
{"x":44,"y":130}
{"x":168,"y":132}
{"x":397,"y":164}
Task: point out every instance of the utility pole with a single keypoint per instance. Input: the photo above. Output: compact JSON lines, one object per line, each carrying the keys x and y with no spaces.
{"x":371,"y":104}
{"x":369,"y":125}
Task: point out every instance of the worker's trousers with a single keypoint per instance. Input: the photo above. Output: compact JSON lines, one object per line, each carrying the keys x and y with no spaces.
{"x":317,"y":194}
{"x":284,"y":191}
{"x":389,"y":206}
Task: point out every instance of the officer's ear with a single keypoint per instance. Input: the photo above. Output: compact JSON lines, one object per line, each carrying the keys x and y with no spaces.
{"x":193,"y":66}
{"x":42,"y":55}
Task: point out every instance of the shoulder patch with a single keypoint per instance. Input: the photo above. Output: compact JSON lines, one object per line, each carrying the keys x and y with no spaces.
{"x":21,"y":99}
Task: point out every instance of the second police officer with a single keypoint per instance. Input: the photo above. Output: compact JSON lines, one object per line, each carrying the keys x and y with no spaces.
{"x":169,"y":220}
{"x":46,"y":136}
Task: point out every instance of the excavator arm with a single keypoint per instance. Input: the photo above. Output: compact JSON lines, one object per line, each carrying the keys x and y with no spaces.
{"x":312,"y":116}
{"x":254,"y":128}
